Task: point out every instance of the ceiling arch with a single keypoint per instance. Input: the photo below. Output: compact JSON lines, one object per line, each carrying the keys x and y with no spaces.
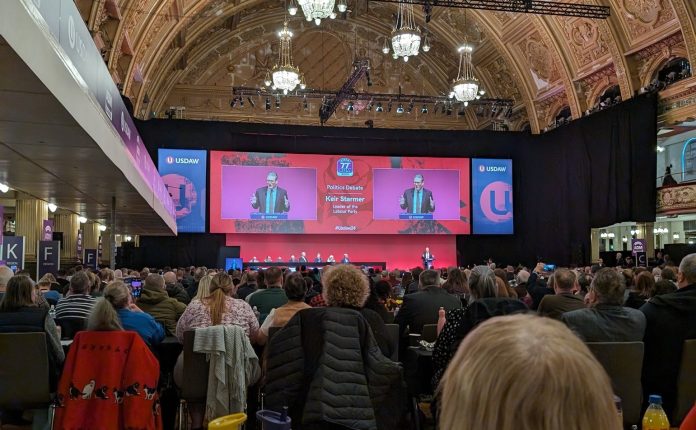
{"x":152,"y":46}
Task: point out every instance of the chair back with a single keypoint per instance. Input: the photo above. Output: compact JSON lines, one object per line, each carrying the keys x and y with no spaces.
{"x":195,"y":384}
{"x":686,"y":384}
{"x":70,"y":326}
{"x":24,"y":381}
{"x":623,"y":362}
{"x":429,"y":333}
{"x":393,"y":337}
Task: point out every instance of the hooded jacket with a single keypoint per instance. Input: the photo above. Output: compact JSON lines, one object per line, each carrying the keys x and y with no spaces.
{"x":671,"y":319}
{"x":164,"y":309}
{"x":327,"y":368}
{"x":177,"y":291}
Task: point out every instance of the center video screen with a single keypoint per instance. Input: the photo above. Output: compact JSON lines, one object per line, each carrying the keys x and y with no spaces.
{"x":329,"y":194}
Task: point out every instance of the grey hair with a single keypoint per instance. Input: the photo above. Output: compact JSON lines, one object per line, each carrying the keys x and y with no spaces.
{"x":609,"y":287}
{"x":688,"y":268}
{"x":275,"y":175}
{"x":482,"y":282}
{"x":104,"y":316}
{"x":417,"y":177}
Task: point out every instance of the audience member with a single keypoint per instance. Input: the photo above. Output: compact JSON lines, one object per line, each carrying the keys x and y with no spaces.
{"x":537,"y":286}
{"x":671,"y":319}
{"x":175,"y":289}
{"x":272,"y":296}
{"x":118,"y":296}
{"x":664,"y":286}
{"x":248,"y":284}
{"x":155,"y":301}
{"x":524,"y":372}
{"x":456,"y":284}
{"x":203,"y":287}
{"x":564,"y":299}
{"x":485,"y":304}
{"x":77,"y":303}
{"x":218,"y":308}
{"x":607,"y":320}
{"x":504,"y":288}
{"x":295,"y":289}
{"x":5,"y":275}
{"x":642,"y":290}
{"x":379,"y":294}
{"x":422,"y":307}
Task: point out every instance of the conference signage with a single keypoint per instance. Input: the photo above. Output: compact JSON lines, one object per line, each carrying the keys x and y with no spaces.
{"x":79,"y":245}
{"x":91,"y":260}
{"x":67,"y":27}
{"x":2,"y":222}
{"x":184,"y":174}
{"x":47,"y":257}
{"x":12,"y":251}
{"x":47,"y":229}
{"x":100,"y":248}
{"x":337,"y":194}
{"x":491,"y":185}
{"x":639,"y":250}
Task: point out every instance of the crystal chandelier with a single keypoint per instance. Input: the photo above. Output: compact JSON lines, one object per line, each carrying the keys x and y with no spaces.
{"x":317,"y":9}
{"x":406,"y":37}
{"x":285,"y":76}
{"x":465,"y":87}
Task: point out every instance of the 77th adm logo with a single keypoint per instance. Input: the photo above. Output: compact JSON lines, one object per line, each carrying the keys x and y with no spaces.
{"x":344,"y":167}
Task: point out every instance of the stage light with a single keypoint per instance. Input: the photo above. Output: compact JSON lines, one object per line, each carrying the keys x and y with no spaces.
{"x":4,"y":188}
{"x":277,"y":103}
{"x":400,"y":109}
{"x":350,"y":107}
{"x":410,"y":107}
{"x":268,"y":103}
{"x":82,"y":219}
{"x":304,"y":103}
{"x":52,"y":207}
{"x":424,"y":109}
{"x":241,"y":102}
{"x":128,"y":238}
{"x":379,"y":107}
{"x":624,"y":239}
{"x":102,"y":228}
{"x":233,"y":103}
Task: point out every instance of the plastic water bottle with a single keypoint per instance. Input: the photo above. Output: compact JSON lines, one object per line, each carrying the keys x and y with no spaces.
{"x":52,"y":312}
{"x":257,"y":313}
{"x":441,"y":320}
{"x":655,"y":417}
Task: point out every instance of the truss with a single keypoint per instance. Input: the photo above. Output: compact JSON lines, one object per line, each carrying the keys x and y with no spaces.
{"x":520,"y":6}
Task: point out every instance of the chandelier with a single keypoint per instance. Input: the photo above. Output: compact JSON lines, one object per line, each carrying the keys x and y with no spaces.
{"x":466,"y":87}
{"x":317,"y":9}
{"x":285,"y":76}
{"x":406,"y":37}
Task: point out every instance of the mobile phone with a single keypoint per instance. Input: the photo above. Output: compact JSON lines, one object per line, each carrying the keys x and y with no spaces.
{"x":136,"y":287}
{"x":14,"y":268}
{"x":549,"y":267}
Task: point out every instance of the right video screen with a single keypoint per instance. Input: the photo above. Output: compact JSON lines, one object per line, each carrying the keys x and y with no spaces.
{"x":491,"y":196}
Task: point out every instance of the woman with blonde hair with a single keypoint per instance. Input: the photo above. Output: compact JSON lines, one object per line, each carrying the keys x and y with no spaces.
{"x":204,"y":287}
{"x":543,"y":378}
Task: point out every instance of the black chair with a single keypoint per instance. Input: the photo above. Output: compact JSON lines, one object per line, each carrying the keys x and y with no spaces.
{"x":24,"y":381}
{"x":686,"y":384}
{"x":70,"y":326}
{"x":623,"y":362}
{"x":194,"y":387}
{"x":393,"y":336}
{"x":429,"y":332}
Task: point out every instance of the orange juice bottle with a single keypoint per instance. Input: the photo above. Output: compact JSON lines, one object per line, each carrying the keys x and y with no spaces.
{"x":655,"y":417}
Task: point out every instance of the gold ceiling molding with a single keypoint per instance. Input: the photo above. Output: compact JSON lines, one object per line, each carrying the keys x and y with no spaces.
{"x":162,"y":35}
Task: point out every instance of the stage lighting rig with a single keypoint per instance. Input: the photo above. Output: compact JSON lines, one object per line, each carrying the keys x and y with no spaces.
{"x":536,"y":7}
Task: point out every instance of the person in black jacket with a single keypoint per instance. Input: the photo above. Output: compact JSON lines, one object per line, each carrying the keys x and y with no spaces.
{"x":671,"y":319}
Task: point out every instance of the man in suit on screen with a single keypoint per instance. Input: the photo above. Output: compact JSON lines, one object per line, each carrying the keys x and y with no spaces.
{"x":271,"y":199}
{"x":417,"y":200}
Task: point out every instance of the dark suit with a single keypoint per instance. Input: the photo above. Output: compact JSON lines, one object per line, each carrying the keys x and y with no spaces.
{"x":422,"y":308}
{"x":303,"y":259}
{"x":345,"y":260}
{"x":425,"y":201}
{"x":317,"y":260}
{"x":280,"y":196}
{"x":426,"y":263}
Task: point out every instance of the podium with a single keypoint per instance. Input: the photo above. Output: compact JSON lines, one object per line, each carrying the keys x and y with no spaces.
{"x":428,"y":262}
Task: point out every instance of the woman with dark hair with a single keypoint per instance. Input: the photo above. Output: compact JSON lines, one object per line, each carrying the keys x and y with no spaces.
{"x":456,"y":283}
{"x":20,"y":313}
{"x":485,"y":303}
{"x":643,"y":289}
{"x":295,"y":288}
{"x":504,"y":288}
{"x":377,"y":301}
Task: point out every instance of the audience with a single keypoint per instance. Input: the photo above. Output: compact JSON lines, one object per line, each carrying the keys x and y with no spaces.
{"x":671,"y":319}
{"x":248,"y":284}
{"x":377,"y":301}
{"x":175,"y":289}
{"x":564,"y":299}
{"x":456,"y":283}
{"x":5,"y":275}
{"x":77,"y":303}
{"x":295,"y":289}
{"x":524,"y":372}
{"x":643,"y":288}
{"x":607,"y":320}
{"x":422,"y":307}
{"x":155,"y":301}
{"x":270,"y":297}
{"x":118,"y":296}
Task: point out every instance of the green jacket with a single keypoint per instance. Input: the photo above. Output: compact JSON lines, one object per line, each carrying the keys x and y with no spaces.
{"x":267,"y":299}
{"x":163,"y":308}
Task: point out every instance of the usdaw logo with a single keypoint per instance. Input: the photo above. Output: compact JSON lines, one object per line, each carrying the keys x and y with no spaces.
{"x":170,"y":160}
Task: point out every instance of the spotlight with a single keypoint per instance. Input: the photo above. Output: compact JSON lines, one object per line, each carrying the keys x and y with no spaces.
{"x":4,"y":188}
{"x":233,"y":103}
{"x":410,"y":107}
{"x":304,"y":103}
{"x":52,"y":207}
{"x":400,"y":109}
{"x":82,"y":220}
{"x":466,"y":104}
{"x":277,"y":103}
{"x":424,"y":109}
{"x":379,"y":107}
{"x":241,"y":102}
{"x":333,"y":15}
{"x":350,"y":107}
{"x":102,"y":228}
{"x":128,"y":238}
{"x":482,"y":92}
{"x":268,"y":103}
{"x":342,"y":6}
{"x":292,"y":9}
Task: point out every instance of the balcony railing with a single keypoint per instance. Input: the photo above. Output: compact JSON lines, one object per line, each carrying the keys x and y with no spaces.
{"x":676,"y":199}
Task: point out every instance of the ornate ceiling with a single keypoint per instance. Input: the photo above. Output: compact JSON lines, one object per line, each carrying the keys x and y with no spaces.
{"x":189,"y":53}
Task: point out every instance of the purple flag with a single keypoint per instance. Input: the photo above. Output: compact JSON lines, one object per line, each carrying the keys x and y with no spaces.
{"x":79,"y":244}
{"x":2,"y":221}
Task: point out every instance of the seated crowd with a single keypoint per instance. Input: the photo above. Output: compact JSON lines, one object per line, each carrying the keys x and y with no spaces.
{"x":509,"y":350}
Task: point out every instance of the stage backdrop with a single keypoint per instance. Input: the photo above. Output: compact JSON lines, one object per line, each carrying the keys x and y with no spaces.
{"x":593,"y":172}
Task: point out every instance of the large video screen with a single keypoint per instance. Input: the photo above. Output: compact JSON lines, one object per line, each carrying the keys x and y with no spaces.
{"x":184,"y":174}
{"x":330,"y":194}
